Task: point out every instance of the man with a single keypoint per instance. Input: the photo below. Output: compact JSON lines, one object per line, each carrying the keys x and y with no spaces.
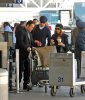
{"x":41,"y":33}
{"x":80,"y":45}
{"x":74,"y":35}
{"x":24,"y":43}
{"x":7,"y":27}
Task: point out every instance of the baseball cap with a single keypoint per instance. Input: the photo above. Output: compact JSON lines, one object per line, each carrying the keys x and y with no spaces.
{"x":43,"y":19}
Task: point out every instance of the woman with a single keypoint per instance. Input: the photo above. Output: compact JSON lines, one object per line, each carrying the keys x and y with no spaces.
{"x":60,"y":39}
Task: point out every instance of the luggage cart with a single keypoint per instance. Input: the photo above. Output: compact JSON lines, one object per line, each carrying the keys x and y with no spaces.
{"x":39,"y":67}
{"x":62,"y":73}
{"x":37,"y":73}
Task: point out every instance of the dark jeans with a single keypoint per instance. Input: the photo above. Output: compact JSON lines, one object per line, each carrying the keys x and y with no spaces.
{"x":26,"y":72}
{"x":21,"y":68}
{"x":24,"y":67}
{"x":78,"y":68}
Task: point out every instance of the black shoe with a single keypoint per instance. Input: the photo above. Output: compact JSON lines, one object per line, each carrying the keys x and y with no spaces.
{"x":25,"y":87}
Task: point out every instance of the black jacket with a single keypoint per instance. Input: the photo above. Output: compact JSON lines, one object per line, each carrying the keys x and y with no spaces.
{"x":64,"y":39}
{"x":41,"y":35}
{"x":80,"y":44}
{"x":23,"y":41}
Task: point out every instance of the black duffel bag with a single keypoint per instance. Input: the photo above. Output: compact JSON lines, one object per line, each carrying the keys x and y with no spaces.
{"x":38,"y":75}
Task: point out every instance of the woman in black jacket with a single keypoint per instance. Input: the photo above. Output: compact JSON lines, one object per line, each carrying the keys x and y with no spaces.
{"x":59,"y":39}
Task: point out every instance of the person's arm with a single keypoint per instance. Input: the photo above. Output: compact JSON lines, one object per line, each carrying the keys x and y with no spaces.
{"x":66,"y":43}
{"x":48,"y":37}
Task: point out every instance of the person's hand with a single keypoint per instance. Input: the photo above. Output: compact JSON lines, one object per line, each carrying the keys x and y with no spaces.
{"x":38,"y":43}
{"x":28,"y":49}
{"x":52,"y":41}
{"x":61,"y":44}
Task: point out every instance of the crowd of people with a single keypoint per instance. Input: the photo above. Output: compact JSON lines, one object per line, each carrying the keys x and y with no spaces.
{"x":36,"y":33}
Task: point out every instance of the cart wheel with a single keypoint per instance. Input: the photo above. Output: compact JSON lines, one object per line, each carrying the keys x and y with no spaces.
{"x":82,"y":89}
{"x":57,"y":87}
{"x":71,"y":92}
{"x":53,"y":92}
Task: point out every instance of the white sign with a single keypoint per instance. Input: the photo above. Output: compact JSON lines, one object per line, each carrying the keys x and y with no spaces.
{"x":65,"y":17}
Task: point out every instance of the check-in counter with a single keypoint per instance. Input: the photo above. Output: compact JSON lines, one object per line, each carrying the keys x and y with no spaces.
{"x":3,"y":50}
{"x":3,"y":84}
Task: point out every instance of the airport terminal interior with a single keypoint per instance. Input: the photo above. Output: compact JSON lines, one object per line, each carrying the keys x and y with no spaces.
{"x":47,"y":65}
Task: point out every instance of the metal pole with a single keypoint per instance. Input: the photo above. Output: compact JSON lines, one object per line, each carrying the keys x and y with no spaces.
{"x":29,"y":86}
{"x":17,"y":70}
{"x":30,"y":57}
